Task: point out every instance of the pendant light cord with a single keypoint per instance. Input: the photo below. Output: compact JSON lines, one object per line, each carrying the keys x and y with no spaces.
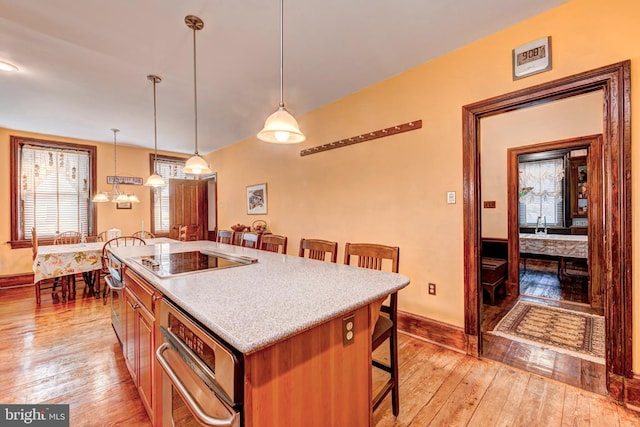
{"x":195,"y":85}
{"x":115,"y":167}
{"x":155,"y":128}
{"x":282,"y":53}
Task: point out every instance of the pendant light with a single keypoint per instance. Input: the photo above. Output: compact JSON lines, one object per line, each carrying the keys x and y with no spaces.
{"x":281,"y":127}
{"x":196,"y":164}
{"x":118,"y":196}
{"x":155,"y":180}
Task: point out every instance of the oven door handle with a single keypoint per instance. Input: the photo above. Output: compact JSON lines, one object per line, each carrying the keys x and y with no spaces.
{"x":188,"y":397}
{"x":109,"y":281}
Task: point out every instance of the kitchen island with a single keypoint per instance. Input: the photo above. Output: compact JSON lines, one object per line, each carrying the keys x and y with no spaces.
{"x":285,"y":316}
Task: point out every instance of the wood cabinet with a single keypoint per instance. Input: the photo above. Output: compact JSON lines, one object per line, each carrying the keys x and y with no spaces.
{"x":578,"y":186}
{"x":138,"y":342}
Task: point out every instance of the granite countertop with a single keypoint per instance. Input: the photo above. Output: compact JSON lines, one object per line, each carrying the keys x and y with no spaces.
{"x":254,"y":306}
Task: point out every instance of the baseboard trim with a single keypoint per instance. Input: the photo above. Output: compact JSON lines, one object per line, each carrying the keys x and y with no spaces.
{"x":632,"y":392}
{"x":15,"y":280}
{"x":440,"y":333}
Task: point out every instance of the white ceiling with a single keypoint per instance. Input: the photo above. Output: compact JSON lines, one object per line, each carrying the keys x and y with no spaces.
{"x":83,"y":63}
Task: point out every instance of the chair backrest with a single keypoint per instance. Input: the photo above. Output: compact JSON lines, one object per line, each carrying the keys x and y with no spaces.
{"x":371,"y":255}
{"x":144,"y":235}
{"x":274,"y":243}
{"x":250,"y":240}
{"x":225,"y":236}
{"x":34,"y":242}
{"x":318,"y":249}
{"x":188,"y":233}
{"x":101,"y":237}
{"x":116,"y":242}
{"x":67,"y":237}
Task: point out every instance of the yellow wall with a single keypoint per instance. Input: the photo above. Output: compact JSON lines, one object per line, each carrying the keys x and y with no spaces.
{"x":132,"y":161}
{"x":393,"y":190}
{"x":570,"y":118}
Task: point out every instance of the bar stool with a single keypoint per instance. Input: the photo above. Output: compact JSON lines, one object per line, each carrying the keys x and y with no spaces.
{"x":371,"y":256}
{"x":318,"y":249}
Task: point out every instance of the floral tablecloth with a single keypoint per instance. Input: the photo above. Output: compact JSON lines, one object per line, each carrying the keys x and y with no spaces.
{"x":62,"y":260}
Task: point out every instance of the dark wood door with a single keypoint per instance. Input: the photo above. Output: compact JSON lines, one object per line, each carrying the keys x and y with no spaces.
{"x":187,"y":205}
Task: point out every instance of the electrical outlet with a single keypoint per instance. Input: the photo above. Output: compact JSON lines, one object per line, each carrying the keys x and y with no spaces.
{"x":432,"y":288}
{"x":348,"y":330}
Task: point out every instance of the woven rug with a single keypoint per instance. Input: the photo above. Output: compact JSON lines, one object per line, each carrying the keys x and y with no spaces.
{"x":561,"y":330}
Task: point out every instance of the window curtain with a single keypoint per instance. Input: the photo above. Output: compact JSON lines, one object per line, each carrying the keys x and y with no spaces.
{"x":542,"y":192}
{"x":54,"y":190}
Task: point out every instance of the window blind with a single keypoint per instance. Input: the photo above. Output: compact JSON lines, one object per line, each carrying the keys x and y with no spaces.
{"x":168,"y":169}
{"x":54,"y":190}
{"x":542,"y":192}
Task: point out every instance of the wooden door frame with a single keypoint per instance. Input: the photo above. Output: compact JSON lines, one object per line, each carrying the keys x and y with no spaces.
{"x":593,"y":143}
{"x":615,"y":83}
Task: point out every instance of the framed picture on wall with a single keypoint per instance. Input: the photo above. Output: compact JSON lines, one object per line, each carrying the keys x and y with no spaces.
{"x":123,"y":205}
{"x":257,"y":199}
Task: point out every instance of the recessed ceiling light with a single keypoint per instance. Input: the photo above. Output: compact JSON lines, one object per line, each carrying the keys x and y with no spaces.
{"x":5,"y":66}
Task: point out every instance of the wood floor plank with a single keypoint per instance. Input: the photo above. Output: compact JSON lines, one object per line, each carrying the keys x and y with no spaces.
{"x":67,"y":353}
{"x":499,"y":406}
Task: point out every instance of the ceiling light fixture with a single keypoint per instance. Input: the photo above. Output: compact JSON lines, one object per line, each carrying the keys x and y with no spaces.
{"x":118,"y":196}
{"x":281,"y":127}
{"x":196,"y":164}
{"x":155,"y":180}
{"x":6,"y":66}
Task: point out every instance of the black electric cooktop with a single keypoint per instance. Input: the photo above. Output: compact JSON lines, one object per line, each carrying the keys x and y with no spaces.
{"x":175,"y":264}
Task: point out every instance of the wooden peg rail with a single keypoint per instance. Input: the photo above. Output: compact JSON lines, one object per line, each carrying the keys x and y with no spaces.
{"x":405,"y":127}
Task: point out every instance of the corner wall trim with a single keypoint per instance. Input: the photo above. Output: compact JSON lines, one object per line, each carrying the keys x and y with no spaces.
{"x":440,"y":333}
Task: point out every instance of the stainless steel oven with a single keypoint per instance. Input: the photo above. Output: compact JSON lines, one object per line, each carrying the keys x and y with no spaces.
{"x":114,"y":283}
{"x":202,"y":377}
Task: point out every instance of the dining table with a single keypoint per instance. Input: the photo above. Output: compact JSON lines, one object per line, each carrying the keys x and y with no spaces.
{"x":56,"y":261}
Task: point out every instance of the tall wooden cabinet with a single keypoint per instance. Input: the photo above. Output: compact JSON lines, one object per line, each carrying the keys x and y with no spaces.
{"x":578,"y":195}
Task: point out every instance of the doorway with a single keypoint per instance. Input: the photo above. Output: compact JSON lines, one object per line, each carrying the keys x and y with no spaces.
{"x":614,"y":81}
{"x":558,"y":278}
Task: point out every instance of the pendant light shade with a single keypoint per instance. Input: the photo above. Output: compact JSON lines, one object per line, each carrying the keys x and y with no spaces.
{"x":196,"y":164}
{"x":155,"y":180}
{"x":281,"y":127}
{"x":100,"y":197}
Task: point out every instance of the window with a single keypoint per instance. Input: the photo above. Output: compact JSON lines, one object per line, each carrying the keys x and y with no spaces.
{"x":168,"y":168}
{"x":542,"y":193}
{"x":51,"y":188}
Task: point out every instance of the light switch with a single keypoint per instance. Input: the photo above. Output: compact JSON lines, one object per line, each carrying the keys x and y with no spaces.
{"x":451,"y":197}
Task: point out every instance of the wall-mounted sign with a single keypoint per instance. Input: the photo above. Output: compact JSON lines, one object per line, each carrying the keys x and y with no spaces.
{"x":125,"y":180}
{"x":532,"y":58}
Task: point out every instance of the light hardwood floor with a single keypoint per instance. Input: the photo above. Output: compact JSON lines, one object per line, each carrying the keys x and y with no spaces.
{"x":68,"y":353}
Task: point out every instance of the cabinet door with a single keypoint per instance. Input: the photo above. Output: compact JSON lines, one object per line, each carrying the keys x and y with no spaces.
{"x":146,"y":355}
{"x":129,"y":334}
{"x":579,"y":186}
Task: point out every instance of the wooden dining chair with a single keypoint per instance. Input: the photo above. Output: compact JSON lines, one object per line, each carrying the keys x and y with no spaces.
{"x":114,"y":243}
{"x":68,"y":238}
{"x":318,"y":249}
{"x":373,"y":256}
{"x":225,"y":236}
{"x":46,"y":283}
{"x":250,"y":240}
{"x":187,"y":233}
{"x":144,"y":235}
{"x":274,"y":243}
{"x":101,"y":237}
